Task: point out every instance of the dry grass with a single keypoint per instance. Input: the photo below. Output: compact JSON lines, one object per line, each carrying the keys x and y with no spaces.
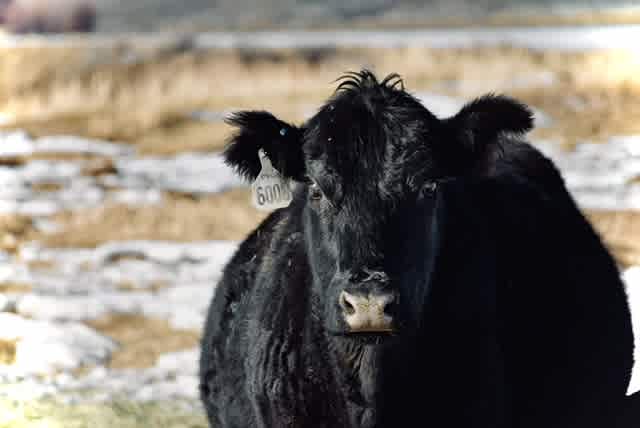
{"x":13,"y":230}
{"x":154,"y":286}
{"x":142,"y":339}
{"x":224,"y":216}
{"x":230,"y":216}
{"x":612,"y":17}
{"x":119,"y":413}
{"x":41,"y":265}
{"x":502,"y":19}
{"x":99,"y":166}
{"x":15,"y":287}
{"x":50,"y":156}
{"x":46,"y":187}
{"x":124,"y":101}
{"x":621,"y":232}
{"x":100,"y":92}
{"x":586,"y":114}
{"x":7,"y":352}
{"x":15,"y":224}
{"x":182,"y":135}
{"x":147,"y":102}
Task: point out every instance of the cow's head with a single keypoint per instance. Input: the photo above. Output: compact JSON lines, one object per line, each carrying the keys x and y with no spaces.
{"x":369,"y":164}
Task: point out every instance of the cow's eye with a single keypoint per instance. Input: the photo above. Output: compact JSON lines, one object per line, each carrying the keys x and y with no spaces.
{"x":315,"y":192}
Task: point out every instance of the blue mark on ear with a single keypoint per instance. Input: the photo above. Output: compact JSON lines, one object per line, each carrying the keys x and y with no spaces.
{"x":283,"y":131}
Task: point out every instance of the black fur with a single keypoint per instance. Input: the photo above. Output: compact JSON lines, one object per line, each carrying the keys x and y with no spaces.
{"x":510,"y":311}
{"x":261,"y":130}
{"x":630,"y":414}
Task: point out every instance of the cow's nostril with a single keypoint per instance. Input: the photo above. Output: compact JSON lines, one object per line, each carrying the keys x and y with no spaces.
{"x":346,"y":306}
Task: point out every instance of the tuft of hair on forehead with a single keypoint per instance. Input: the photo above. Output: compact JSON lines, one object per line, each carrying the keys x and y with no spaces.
{"x":365,"y":79}
{"x":367,"y":88}
{"x":370,"y":134}
{"x":355,"y":118}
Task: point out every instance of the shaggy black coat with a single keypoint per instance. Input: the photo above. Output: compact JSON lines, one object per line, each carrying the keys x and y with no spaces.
{"x":511,"y":311}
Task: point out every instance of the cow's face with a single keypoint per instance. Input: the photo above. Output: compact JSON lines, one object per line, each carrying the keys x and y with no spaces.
{"x":366,"y":165}
{"x":369,"y":163}
{"x":364,"y":265}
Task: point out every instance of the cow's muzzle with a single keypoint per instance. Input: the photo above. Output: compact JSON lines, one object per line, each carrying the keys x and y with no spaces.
{"x":367,"y":313}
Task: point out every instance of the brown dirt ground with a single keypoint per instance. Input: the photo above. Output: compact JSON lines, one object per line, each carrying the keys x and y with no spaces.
{"x":224,"y":216}
{"x":142,"y":339}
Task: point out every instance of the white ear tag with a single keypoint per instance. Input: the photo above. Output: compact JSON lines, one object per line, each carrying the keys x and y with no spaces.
{"x":270,"y":190}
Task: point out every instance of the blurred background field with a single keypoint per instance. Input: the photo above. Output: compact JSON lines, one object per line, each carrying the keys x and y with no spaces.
{"x":117,"y":214}
{"x":171,"y":98}
{"x":206,"y":15}
{"x":121,"y":414}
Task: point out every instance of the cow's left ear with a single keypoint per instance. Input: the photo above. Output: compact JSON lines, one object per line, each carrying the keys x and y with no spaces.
{"x":281,"y":142}
{"x":483,"y":120}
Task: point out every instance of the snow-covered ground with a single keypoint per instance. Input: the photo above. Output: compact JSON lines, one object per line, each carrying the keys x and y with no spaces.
{"x":134,"y":181}
{"x":566,"y":38}
{"x":571,"y":38}
{"x":69,"y":286}
{"x":81,"y":285}
{"x":86,"y":284}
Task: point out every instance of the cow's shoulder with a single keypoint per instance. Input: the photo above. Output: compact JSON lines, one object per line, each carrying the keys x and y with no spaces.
{"x":252,"y":259}
{"x":275,"y":313}
{"x":512,"y":160}
{"x":526,"y":196}
{"x":239,"y":296}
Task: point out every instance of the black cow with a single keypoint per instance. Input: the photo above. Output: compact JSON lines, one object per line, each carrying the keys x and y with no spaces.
{"x":428,"y":273}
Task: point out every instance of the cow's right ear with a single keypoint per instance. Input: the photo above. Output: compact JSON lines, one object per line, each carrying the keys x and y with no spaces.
{"x":281,"y":142}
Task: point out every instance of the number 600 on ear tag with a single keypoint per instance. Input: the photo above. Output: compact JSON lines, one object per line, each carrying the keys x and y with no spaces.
{"x":270,"y":190}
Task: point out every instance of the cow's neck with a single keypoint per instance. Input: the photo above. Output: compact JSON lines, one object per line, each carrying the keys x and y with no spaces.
{"x":358,"y":370}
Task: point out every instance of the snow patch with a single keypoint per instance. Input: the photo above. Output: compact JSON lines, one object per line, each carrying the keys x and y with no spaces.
{"x":84,"y":284}
{"x":18,"y":144}
{"x":571,"y":38}
{"x":136,"y":181}
{"x":195,"y":173}
{"x":44,"y":347}
{"x":174,"y":376}
{"x":601,"y":176}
